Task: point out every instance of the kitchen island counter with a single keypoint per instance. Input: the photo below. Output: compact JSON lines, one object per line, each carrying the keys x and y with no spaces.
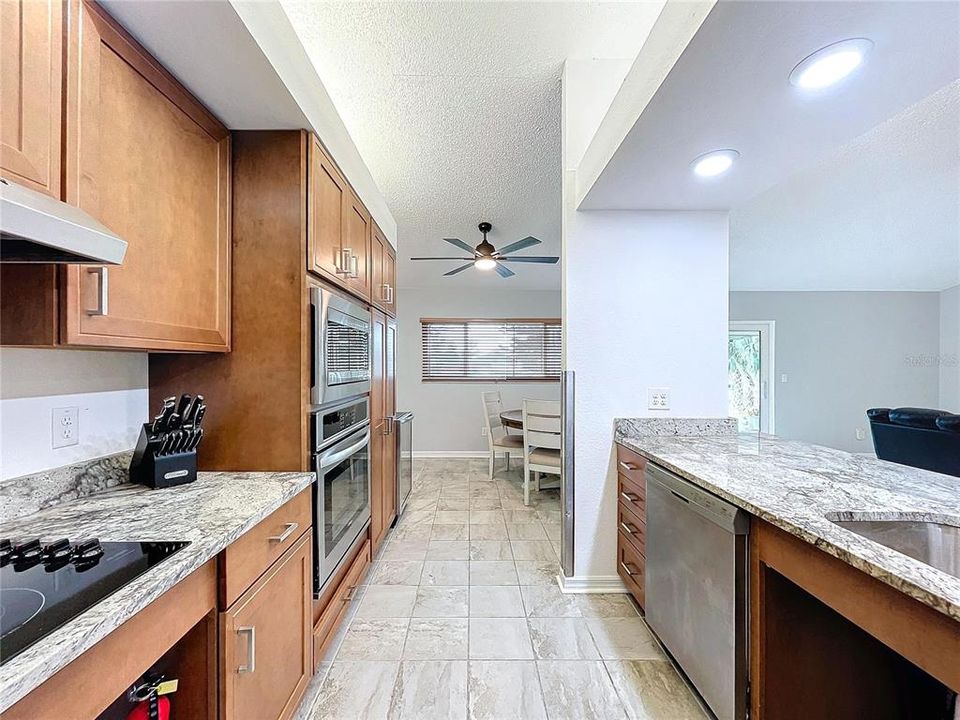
{"x":797,"y":486}
{"x":210,"y":513}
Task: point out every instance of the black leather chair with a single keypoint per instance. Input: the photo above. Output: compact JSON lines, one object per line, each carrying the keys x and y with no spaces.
{"x":919,"y":437}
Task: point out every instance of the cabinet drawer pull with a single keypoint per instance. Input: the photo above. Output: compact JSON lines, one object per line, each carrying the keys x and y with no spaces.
{"x":629,"y":529}
{"x":345,"y":264}
{"x":629,"y":497}
{"x":626,"y":568}
{"x":627,"y":466}
{"x":251,"y":633}
{"x":354,"y":271}
{"x":351,"y":591}
{"x":103,"y":290}
{"x":285,"y":534}
{"x":390,"y":295}
{"x":385,"y":293}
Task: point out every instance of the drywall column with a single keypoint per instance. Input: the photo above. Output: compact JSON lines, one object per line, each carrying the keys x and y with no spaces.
{"x":949,"y":360}
{"x":644,"y":305}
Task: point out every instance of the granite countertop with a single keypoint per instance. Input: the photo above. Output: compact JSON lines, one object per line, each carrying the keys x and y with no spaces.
{"x":795,"y":485}
{"x":211,"y":513}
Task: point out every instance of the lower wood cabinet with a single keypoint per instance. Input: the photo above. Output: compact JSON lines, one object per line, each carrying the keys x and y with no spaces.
{"x":266,"y":640}
{"x":631,"y":521}
{"x":383,"y":440}
{"x":337,"y":601}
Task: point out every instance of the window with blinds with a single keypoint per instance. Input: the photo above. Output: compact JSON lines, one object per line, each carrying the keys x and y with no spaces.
{"x":480,"y":349}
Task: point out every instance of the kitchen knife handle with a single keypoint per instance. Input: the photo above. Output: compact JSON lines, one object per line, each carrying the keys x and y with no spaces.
{"x":103,"y":290}
{"x":251,"y":633}
{"x":285,"y":534}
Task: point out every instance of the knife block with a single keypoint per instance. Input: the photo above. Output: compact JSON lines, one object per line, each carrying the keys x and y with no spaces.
{"x":160,"y":471}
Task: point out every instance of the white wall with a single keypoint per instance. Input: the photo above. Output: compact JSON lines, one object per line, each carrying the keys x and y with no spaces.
{"x":644,"y":305}
{"x":844,"y":352}
{"x":448,"y":416}
{"x":950,"y":349}
{"x":109,"y":388}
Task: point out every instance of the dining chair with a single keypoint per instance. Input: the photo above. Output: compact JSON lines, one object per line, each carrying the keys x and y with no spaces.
{"x":497,"y":437}
{"x":541,"y":442}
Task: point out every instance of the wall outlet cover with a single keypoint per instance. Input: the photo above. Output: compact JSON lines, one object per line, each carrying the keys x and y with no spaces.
{"x":66,"y":427}
{"x":658,"y":398}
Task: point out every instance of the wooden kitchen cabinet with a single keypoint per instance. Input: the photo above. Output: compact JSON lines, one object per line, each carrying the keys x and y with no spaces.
{"x":631,"y":521}
{"x":383,"y":440}
{"x":266,"y":641}
{"x":382,"y":272}
{"x":356,"y":246}
{"x":31,"y":76}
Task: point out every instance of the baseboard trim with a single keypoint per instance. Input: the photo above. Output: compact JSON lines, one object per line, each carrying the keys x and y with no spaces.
{"x":451,"y":454}
{"x":584,"y":584}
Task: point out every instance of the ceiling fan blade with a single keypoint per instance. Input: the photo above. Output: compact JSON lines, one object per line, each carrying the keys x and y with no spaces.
{"x":459,"y":269}
{"x":531,"y":259}
{"x":528,"y":241}
{"x":504,"y":272}
{"x":460,"y":244}
{"x":442,"y":258}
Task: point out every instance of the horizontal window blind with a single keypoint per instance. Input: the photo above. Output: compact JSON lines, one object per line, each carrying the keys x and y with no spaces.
{"x":490,"y":349}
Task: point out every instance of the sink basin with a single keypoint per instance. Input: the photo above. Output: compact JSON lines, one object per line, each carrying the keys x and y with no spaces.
{"x":935,"y":543}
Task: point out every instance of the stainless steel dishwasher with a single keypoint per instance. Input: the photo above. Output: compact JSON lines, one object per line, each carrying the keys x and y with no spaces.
{"x":696,"y":587}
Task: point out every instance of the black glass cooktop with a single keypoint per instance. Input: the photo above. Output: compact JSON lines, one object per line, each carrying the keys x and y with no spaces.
{"x":44,"y":585}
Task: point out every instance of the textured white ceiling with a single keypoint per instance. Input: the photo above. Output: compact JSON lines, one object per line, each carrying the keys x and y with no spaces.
{"x":883,"y":213}
{"x":455,"y":107}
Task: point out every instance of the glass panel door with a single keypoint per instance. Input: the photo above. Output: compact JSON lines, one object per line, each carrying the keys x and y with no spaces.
{"x":749,"y":373}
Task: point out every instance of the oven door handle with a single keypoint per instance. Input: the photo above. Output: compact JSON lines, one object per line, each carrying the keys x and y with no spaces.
{"x":318,"y":363}
{"x":330,"y":460}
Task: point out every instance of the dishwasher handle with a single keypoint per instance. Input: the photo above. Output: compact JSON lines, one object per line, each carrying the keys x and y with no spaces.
{"x":715,"y":509}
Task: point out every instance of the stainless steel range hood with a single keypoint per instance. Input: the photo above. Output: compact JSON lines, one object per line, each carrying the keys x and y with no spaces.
{"x":35,"y":228}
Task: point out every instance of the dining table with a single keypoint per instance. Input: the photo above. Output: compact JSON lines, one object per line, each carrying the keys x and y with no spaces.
{"x":512,"y":419}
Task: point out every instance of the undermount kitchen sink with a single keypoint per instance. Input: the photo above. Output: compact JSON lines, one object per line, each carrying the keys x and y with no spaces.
{"x":935,"y":543}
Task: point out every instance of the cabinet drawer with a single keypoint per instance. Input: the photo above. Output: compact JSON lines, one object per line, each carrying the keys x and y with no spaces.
{"x":631,"y":464}
{"x":633,"y":495}
{"x":337,"y":606}
{"x":631,"y":566}
{"x":250,"y":556}
{"x":633,"y":527}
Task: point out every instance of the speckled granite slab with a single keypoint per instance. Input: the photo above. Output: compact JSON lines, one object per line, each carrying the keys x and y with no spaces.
{"x":30,"y":493}
{"x":211,"y":513}
{"x":796,"y":486}
{"x":682,"y":427}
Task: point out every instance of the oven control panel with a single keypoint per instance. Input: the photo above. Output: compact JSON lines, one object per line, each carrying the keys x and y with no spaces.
{"x":336,"y":422}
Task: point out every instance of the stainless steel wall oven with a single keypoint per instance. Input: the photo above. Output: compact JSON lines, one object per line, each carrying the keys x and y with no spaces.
{"x":341,"y":460}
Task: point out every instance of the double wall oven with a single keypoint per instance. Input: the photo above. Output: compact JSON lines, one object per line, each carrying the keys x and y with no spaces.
{"x":340,"y":428}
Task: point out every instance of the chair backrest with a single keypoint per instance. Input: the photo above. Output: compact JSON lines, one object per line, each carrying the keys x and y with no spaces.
{"x":492,"y":407}
{"x":541,"y":424}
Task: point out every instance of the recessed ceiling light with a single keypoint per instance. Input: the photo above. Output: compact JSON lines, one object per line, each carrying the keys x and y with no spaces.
{"x":831,"y":64}
{"x":484,"y":263}
{"x":713,"y":163}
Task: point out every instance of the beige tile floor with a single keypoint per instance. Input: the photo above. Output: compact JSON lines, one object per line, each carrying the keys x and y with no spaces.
{"x":461,"y":617}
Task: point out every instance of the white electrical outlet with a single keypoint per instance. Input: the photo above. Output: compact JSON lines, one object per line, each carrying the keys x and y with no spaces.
{"x":658,"y":398}
{"x":66,"y":427}
{"x":861,"y":435}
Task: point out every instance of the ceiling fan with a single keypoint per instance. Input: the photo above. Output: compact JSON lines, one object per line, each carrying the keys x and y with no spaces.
{"x":487,"y":257}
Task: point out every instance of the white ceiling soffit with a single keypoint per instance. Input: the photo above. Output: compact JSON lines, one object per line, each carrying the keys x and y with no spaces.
{"x":456,"y":109}
{"x":244,"y":61}
{"x":883,"y":213}
{"x":730,"y":89}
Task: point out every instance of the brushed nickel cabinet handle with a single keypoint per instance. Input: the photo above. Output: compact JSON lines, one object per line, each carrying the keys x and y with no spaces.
{"x":627,"y":570}
{"x":345,"y":263}
{"x":351,"y":591}
{"x":103,"y":290}
{"x":390,"y":298}
{"x":385,"y":293}
{"x":629,"y":497}
{"x":629,"y":529}
{"x":290,"y":527}
{"x":354,"y":266}
{"x":627,"y":466}
{"x":251,"y":633}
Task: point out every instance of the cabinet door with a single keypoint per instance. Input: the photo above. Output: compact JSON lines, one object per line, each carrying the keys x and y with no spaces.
{"x":328,"y":195}
{"x":389,"y":410}
{"x":378,"y":524}
{"x":149,"y":162}
{"x":266,"y":641}
{"x":378,"y":288}
{"x":31,"y":68}
{"x":356,"y":240}
{"x":390,"y":277}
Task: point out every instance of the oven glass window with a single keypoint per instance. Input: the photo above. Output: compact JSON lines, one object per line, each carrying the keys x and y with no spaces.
{"x":346,"y":496}
{"x":348,"y":349}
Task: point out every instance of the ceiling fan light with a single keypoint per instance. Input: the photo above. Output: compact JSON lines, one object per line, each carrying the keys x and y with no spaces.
{"x":484,"y":263}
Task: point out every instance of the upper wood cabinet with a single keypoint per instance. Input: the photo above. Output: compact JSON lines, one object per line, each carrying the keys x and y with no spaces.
{"x":356,"y":246}
{"x":31,"y":78}
{"x":380,"y":521}
{"x":383,"y":272}
{"x":148,"y":161}
{"x":328,"y":197}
